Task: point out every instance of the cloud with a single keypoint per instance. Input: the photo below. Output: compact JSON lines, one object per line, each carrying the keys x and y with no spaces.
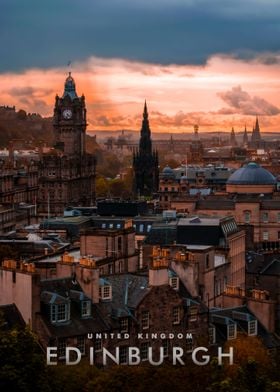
{"x":28,"y":91}
{"x":242,"y":102}
{"x":49,"y":34}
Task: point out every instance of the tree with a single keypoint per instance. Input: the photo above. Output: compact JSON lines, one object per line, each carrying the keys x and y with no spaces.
{"x":20,"y":360}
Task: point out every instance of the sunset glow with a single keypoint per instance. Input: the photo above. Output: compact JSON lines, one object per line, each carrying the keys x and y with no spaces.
{"x":224,"y":93}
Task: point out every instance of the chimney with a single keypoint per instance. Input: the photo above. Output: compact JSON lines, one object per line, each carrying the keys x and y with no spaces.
{"x":87,"y":274}
{"x":158,"y":272}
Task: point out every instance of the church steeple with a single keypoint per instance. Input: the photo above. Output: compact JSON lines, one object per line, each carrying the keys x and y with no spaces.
{"x":232,"y":141}
{"x":145,"y":145}
{"x":245,"y":137}
{"x":256,"y":134}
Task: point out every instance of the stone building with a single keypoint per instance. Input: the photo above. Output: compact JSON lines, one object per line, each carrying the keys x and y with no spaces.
{"x":145,"y":162}
{"x":79,"y":309}
{"x":250,"y":196}
{"x":67,"y":173}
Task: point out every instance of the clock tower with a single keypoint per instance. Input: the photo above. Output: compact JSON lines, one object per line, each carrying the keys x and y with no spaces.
{"x":70,"y":120}
{"x":67,"y":172}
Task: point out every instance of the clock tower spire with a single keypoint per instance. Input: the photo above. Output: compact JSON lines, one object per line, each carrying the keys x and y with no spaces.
{"x":70,"y":120}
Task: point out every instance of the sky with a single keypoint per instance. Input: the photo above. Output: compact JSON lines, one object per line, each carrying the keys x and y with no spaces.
{"x":215,"y":63}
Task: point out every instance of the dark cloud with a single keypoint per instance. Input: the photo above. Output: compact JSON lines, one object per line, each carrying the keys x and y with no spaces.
{"x":240,"y":101}
{"x":28,"y":91}
{"x":50,"y":33}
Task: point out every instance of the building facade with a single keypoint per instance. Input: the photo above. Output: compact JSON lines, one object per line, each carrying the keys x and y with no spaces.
{"x":67,"y":173}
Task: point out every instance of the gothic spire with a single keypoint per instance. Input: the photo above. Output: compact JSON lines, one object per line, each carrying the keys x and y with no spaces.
{"x":145,"y":145}
{"x":232,"y":138}
{"x":256,"y":134}
{"x":245,"y":136}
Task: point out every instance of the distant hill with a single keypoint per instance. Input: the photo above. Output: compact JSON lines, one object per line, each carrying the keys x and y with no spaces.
{"x":21,"y":125}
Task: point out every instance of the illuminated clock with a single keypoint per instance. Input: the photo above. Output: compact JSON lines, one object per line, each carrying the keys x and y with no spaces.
{"x":67,"y":114}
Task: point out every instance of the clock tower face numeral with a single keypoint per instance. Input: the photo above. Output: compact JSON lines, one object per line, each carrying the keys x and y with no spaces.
{"x":67,"y":114}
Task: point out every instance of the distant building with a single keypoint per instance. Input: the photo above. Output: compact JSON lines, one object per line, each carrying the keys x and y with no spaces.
{"x":145,"y":162}
{"x":232,"y":140}
{"x":256,"y":139}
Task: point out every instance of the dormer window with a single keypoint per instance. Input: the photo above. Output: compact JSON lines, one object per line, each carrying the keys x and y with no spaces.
{"x":252,"y":328}
{"x":174,"y":283}
{"x":105,"y":292}
{"x":60,"y":312}
{"x":86,"y":308}
{"x":231,"y":331}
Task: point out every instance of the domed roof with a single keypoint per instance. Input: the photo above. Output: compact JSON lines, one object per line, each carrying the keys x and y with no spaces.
{"x":168,"y":172}
{"x":251,"y":174}
{"x":69,"y":87}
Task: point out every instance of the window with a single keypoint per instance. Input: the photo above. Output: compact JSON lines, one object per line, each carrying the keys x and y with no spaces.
{"x":265,"y":217}
{"x":61,"y":348}
{"x":103,"y":226}
{"x":111,"y":226}
{"x":123,"y":355}
{"x":118,"y":225}
{"x":225,"y":282}
{"x":189,"y":345}
{"x":119,"y":244}
{"x":98,"y":345}
{"x":231,"y":331}
{"x":207,"y":261}
{"x":252,"y":327}
{"x":278,"y":217}
{"x":81,"y":344}
{"x":107,"y":246}
{"x":124,"y":325}
{"x":165,"y":345}
{"x":86,"y":308}
{"x":174,"y":283}
{"x":247,"y":216}
{"x":212,"y":335}
{"x":145,"y":319}
{"x":60,"y":313}
{"x":53,"y":313}
{"x":149,"y":228}
{"x":193,"y":314}
{"x":141,"y":228}
{"x":144,"y":351}
{"x":105,"y":292}
{"x":265,"y":235}
{"x":176,"y":315}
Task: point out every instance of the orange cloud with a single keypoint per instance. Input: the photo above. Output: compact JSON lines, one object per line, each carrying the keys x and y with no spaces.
{"x":178,"y":96}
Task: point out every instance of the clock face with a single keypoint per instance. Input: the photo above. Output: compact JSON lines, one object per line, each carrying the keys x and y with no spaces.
{"x":67,"y":114}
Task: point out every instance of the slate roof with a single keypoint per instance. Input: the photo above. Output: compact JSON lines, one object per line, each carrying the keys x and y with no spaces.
{"x":219,"y":204}
{"x":63,"y":290}
{"x":127,"y":292}
{"x":234,"y":315}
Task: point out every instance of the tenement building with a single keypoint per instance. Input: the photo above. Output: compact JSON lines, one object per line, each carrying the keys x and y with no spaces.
{"x":67,"y":173}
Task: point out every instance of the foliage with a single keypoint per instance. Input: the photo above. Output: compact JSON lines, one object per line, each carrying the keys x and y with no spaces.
{"x":20,"y":360}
